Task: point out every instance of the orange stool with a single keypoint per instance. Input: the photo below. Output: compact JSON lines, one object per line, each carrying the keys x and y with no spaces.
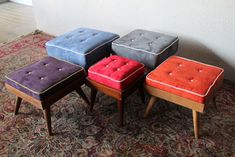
{"x":184,"y":82}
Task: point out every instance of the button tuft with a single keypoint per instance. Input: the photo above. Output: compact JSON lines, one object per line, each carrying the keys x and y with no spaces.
{"x":191,"y":80}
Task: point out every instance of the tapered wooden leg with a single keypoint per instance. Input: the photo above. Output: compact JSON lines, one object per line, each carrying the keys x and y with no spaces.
{"x":152,"y":101}
{"x":120,"y":111}
{"x":195,"y":124}
{"x":18,"y":102}
{"x":214,"y":102}
{"x":141,"y":91}
{"x":93,"y":96}
{"x":83,"y":96}
{"x":47,"y":115}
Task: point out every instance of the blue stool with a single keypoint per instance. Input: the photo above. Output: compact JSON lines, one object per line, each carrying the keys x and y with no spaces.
{"x":82,"y":46}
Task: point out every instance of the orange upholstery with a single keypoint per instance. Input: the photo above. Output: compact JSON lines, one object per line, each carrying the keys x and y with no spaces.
{"x":186,"y":78}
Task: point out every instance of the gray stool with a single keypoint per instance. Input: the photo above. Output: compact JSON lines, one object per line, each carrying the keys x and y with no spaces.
{"x":150,"y":48}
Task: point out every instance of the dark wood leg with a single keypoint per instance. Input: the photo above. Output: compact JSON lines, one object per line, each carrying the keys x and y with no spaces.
{"x":141,"y":91}
{"x":47,"y":115}
{"x":120,"y":110}
{"x":18,"y":102}
{"x":93,"y":96}
{"x":214,"y":102}
{"x":152,"y":101}
{"x":82,"y":94}
{"x":195,"y":124}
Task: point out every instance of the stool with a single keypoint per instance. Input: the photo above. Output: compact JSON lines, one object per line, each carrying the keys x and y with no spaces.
{"x":147,"y":47}
{"x":82,"y":46}
{"x":184,"y":82}
{"x":117,"y":77}
{"x":45,"y":82}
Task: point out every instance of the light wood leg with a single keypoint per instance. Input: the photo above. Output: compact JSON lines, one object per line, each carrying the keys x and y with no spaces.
{"x":120,"y":110}
{"x":195,"y":124}
{"x":82,"y":94}
{"x":47,"y":115}
{"x":152,"y":101}
{"x":18,"y":102}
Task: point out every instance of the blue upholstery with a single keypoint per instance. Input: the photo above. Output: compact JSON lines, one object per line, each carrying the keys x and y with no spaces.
{"x":82,"y":46}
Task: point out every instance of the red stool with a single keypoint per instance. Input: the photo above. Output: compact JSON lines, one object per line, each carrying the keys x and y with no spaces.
{"x":184,"y":82}
{"x":117,"y":77}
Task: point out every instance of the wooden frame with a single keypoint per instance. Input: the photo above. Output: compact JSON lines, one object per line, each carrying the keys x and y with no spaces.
{"x":120,"y":96}
{"x":194,"y":106}
{"x":45,"y":104}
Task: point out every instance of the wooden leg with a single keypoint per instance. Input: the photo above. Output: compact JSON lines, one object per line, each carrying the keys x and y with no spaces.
{"x":195,"y":124}
{"x":18,"y":102}
{"x":141,"y":91}
{"x":152,"y":101}
{"x":47,"y":115}
{"x":214,"y":102}
{"x":93,"y":96}
{"x":82,"y":94}
{"x":120,"y":110}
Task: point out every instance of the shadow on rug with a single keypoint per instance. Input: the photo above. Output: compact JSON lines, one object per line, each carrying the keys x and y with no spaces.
{"x":168,"y":131}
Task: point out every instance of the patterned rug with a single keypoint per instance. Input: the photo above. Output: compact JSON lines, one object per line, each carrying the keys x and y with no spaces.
{"x":168,"y":130}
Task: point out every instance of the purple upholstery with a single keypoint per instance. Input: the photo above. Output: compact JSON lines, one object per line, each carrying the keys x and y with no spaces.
{"x":45,"y":77}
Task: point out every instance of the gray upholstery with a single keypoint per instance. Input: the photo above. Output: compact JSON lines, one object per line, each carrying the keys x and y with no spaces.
{"x":150,"y":48}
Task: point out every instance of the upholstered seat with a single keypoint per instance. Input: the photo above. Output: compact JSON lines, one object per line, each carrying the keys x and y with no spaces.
{"x":43,"y":78}
{"x":186,"y":78}
{"x":82,"y":46}
{"x":45,"y":82}
{"x":117,"y":77}
{"x":184,"y":82}
{"x":116,"y":72}
{"x":150,"y":48}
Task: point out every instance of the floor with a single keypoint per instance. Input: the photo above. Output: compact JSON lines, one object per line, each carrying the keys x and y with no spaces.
{"x":15,"y":20}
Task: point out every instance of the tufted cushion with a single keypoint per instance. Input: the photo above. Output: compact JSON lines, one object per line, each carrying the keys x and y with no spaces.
{"x":83,"y":46}
{"x":150,"y":48}
{"x":43,"y":78}
{"x":116,"y":72}
{"x":186,"y":78}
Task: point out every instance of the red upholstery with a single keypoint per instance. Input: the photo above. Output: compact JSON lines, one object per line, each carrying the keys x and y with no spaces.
{"x":116,"y":72}
{"x":186,"y":78}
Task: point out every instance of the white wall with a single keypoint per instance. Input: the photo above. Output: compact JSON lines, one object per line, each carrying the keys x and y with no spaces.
{"x":206,"y":27}
{"x":26,"y":2}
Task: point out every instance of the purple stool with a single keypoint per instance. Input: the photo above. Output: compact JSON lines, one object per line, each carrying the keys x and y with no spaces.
{"x":45,"y":82}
